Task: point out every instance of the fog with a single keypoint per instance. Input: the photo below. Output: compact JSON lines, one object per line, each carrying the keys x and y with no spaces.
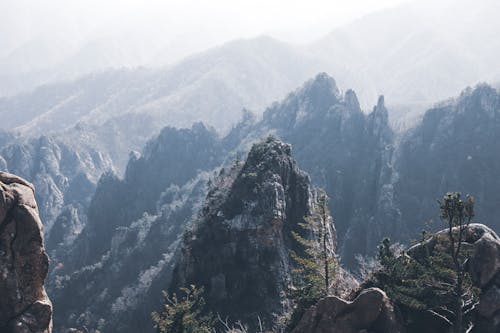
{"x":38,"y":34}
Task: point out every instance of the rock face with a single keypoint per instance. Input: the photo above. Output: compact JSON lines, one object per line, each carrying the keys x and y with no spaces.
{"x":24,"y":305}
{"x":64,"y":175}
{"x":110,"y":278}
{"x":239,"y":248}
{"x":346,"y":152}
{"x":453,"y":149}
{"x":371,"y":312}
{"x":380,"y":185}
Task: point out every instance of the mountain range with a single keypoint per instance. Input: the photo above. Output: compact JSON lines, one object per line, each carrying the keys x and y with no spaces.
{"x":409,"y":53}
{"x":380,"y":185}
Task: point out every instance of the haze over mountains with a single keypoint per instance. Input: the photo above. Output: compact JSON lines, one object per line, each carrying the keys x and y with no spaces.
{"x":409,"y":53}
{"x":134,"y":232}
{"x":155,"y":177}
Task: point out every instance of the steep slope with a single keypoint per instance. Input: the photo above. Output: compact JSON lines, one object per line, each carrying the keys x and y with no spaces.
{"x":345,"y":151}
{"x":455,"y":148}
{"x":380,"y":186}
{"x":125,"y":253}
{"x":244,"y":229}
{"x":212,"y":87}
{"x":63,"y":173}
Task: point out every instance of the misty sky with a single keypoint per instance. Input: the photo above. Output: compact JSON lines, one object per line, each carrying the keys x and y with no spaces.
{"x":186,"y":25}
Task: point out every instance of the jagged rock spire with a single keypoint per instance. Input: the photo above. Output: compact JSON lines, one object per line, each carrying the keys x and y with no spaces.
{"x":244,"y":231}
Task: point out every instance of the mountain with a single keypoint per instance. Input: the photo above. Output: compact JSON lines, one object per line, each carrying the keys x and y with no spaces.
{"x":64,"y":173}
{"x":411,"y":52}
{"x":453,"y":149}
{"x":346,"y":151}
{"x":144,"y":215}
{"x":244,"y":229}
{"x":211,"y":87}
{"x":380,"y":184}
{"x":125,"y":253}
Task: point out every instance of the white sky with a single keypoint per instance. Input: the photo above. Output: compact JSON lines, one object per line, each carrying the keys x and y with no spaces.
{"x":42,"y":34}
{"x":292,"y":20}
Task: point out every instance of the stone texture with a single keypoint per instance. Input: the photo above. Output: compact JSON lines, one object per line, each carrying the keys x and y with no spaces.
{"x":371,"y":311}
{"x":24,"y":305}
{"x":239,"y":248}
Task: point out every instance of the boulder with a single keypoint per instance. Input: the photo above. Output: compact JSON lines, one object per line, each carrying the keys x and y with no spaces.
{"x":371,"y":311}
{"x":24,"y":305}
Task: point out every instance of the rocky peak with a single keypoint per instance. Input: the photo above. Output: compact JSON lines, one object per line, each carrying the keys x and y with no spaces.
{"x":351,"y":100}
{"x":452,"y":149}
{"x":246,"y":233}
{"x":378,"y":121}
{"x":173,"y":157}
{"x":322,"y":84}
{"x":61,"y":173}
{"x":481,"y":98}
{"x":313,"y":99}
{"x":24,"y":305}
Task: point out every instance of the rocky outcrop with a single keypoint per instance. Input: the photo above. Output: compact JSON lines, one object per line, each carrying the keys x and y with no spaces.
{"x":110,"y":277}
{"x":376,"y":188}
{"x":239,"y":248}
{"x":484,"y":267}
{"x":371,"y":311}
{"x":346,"y":152}
{"x":24,"y":305}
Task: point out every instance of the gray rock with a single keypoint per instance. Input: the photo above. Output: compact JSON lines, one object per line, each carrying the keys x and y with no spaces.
{"x":24,"y":305}
{"x":239,"y":247}
{"x":371,"y":311}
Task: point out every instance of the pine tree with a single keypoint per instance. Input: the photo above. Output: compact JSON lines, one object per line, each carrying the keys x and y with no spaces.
{"x":183,"y":315}
{"x":434,"y":279}
{"x":458,"y":214}
{"x":316,"y":267}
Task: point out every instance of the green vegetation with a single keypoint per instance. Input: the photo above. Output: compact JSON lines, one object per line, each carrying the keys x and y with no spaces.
{"x":316,"y":264}
{"x":433,"y":279}
{"x":457,"y":214}
{"x":183,"y":315}
{"x":430,"y":280}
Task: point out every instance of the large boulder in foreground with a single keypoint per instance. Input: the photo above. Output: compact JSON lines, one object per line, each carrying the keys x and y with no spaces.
{"x":371,"y":312}
{"x":24,"y":305}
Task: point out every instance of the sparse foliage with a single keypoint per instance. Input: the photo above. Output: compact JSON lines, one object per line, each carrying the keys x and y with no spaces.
{"x":434,"y":278}
{"x":184,"y":314}
{"x":458,"y":214}
{"x":316,"y":264}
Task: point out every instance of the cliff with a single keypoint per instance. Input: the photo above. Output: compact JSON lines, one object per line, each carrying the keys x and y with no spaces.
{"x":24,"y":305}
{"x":238,"y":249}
